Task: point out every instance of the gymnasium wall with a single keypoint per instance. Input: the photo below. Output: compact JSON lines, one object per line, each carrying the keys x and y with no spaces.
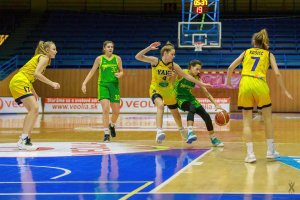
{"x":135,"y":83}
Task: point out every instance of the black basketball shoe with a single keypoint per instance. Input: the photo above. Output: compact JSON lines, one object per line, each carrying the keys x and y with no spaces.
{"x":112,"y":130}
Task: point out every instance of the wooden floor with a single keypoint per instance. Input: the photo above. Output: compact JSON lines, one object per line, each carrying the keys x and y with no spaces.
{"x":219,"y":170}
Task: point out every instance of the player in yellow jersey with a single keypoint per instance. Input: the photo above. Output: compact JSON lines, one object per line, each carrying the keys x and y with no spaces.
{"x":162,"y":89}
{"x":110,"y":70}
{"x":23,"y":92}
{"x":254,"y":90}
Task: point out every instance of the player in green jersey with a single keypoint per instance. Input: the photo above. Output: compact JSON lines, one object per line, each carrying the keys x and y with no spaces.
{"x":110,"y":70}
{"x":187,"y":102}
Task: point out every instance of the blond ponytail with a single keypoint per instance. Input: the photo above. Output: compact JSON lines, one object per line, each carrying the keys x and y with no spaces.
{"x":42,"y":47}
{"x":261,"y":39}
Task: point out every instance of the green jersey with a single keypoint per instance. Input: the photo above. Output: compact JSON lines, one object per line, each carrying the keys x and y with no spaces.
{"x":184,"y":87}
{"x":107,"y":69}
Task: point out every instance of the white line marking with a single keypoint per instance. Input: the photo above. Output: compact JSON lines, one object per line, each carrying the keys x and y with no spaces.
{"x":63,"y":182}
{"x":66,"y":171}
{"x":93,"y":193}
{"x":179,"y":172}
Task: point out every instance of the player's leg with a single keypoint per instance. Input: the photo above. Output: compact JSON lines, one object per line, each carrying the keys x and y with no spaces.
{"x":209,"y":126}
{"x":246,"y":102}
{"x":105,"y":118}
{"x":177,"y":117}
{"x":32,"y":107}
{"x":115,"y":106}
{"x":158,"y":102}
{"x":21,"y":91}
{"x":104,"y":98}
{"x":247,"y":132}
{"x":188,"y":106}
{"x":264,"y":103}
{"x":269,"y":131}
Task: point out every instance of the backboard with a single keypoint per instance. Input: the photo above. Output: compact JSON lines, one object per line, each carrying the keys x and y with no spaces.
{"x":209,"y":33}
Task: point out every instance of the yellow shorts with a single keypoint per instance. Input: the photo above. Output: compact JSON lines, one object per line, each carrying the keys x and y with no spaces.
{"x":253,"y":92}
{"x":20,"y":87}
{"x":168,"y":94}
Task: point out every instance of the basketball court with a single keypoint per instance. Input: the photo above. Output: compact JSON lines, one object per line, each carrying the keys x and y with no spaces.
{"x":73,"y":162}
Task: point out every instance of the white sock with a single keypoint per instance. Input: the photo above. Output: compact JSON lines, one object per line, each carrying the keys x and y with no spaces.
{"x":106,"y":131}
{"x":190,"y":129}
{"x":24,"y":135}
{"x":270,"y":143}
{"x":249,"y":147}
{"x":159,"y":130}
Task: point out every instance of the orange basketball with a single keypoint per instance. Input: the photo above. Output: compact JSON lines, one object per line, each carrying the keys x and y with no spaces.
{"x":222,"y":118}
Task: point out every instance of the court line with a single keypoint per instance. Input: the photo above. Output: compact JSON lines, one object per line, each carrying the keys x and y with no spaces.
{"x":136,"y":190}
{"x":66,"y":171}
{"x":143,"y":193}
{"x":179,"y":172}
{"x":62,"y":182}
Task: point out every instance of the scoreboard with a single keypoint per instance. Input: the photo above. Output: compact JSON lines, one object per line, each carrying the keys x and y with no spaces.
{"x":200,"y":6}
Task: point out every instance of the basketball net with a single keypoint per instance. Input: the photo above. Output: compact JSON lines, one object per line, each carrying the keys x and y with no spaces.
{"x":198,"y":46}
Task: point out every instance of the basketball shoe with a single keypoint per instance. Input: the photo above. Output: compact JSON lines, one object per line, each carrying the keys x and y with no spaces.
{"x":250,"y":158}
{"x":25,"y":144}
{"x":191,"y":137}
{"x":272,"y":154}
{"x":112,"y":130}
{"x":106,"y":138}
{"x":216,"y":142}
{"x":160,"y":136}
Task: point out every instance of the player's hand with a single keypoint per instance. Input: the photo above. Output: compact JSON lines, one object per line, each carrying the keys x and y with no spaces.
{"x":83,"y":88}
{"x":154,"y":45}
{"x":56,"y":85}
{"x":206,"y":85}
{"x":172,"y":73}
{"x":118,"y":74}
{"x":288,"y":95}
{"x":218,"y":107}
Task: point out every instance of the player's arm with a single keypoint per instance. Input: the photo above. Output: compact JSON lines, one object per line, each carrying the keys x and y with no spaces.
{"x":90,"y":74}
{"x":232,"y":67}
{"x":211,"y":98}
{"x":120,"y":66}
{"x":42,"y":64}
{"x":149,"y":59}
{"x":181,"y":73}
{"x":278,"y":76}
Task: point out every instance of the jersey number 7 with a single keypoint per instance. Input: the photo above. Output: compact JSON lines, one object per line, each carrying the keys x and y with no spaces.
{"x":255,"y":62}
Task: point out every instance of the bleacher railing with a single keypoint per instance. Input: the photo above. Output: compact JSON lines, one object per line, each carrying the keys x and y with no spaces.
{"x":8,"y":67}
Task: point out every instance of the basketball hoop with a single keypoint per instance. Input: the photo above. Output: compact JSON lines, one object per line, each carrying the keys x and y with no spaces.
{"x":198,"y":46}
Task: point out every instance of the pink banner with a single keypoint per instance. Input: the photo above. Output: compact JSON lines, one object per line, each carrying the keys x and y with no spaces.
{"x":218,"y":80}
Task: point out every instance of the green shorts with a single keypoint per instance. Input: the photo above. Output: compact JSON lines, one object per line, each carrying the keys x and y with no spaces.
{"x":109,"y":91}
{"x":193,"y":100}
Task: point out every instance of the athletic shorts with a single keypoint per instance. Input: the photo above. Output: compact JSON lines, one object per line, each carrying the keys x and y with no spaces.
{"x":168,"y":94}
{"x":253,"y":92}
{"x":192,"y":100}
{"x":20,"y":87}
{"x":109,"y":91}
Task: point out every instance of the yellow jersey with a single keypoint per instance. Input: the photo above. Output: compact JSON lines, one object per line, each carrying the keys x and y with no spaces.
{"x":29,"y":68}
{"x":256,"y":63}
{"x":160,"y":77}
